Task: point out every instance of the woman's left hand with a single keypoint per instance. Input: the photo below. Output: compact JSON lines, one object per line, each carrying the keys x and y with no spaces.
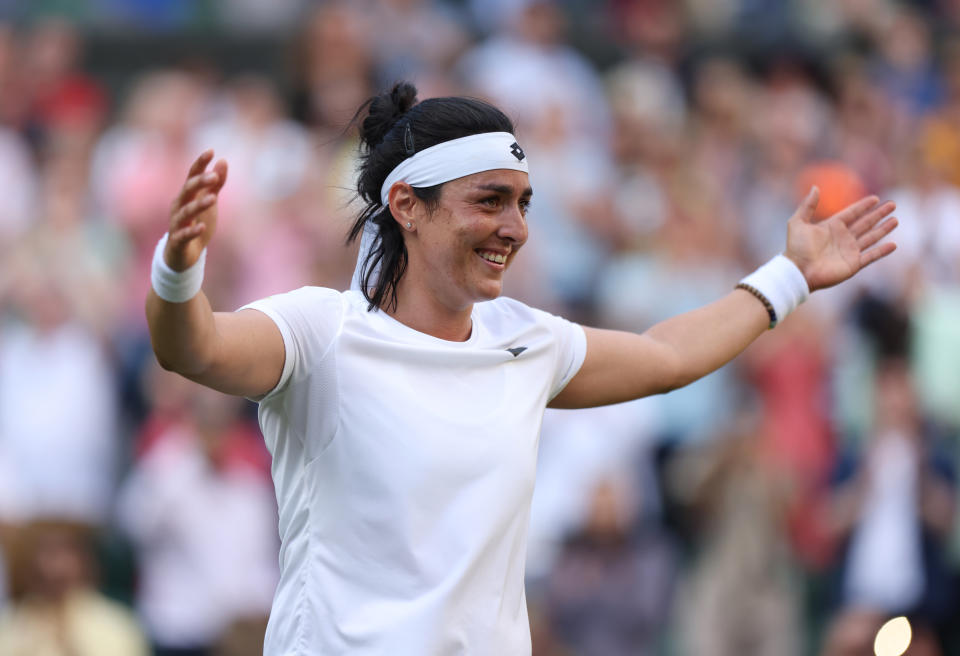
{"x":831,"y":250}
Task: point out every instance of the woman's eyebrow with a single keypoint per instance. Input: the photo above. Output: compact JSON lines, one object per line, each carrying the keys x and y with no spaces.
{"x":503,"y":189}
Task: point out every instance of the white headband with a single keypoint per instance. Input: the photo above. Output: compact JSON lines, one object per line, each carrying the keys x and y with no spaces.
{"x":456,"y":158}
{"x":442,"y":163}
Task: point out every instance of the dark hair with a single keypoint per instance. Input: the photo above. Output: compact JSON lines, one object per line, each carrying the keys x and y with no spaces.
{"x":395,"y":127}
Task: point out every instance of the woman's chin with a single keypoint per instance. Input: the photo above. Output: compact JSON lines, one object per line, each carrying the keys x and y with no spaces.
{"x":489,"y":291}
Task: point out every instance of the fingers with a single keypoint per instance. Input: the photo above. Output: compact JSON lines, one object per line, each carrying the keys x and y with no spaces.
{"x":199,"y":179}
{"x":808,"y":205}
{"x":863,"y":225}
{"x":189,"y":212}
{"x":194,"y":183}
{"x":850,"y":214}
{"x":180,"y":237}
{"x":200,"y":163}
{"x":869,"y":257}
{"x":220,"y":169}
{"x":870,"y":238}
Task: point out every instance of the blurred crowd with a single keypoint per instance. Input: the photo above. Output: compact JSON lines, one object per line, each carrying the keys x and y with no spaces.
{"x":787,"y":504}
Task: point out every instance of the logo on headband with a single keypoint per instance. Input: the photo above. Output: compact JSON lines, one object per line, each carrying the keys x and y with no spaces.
{"x":517,"y":151}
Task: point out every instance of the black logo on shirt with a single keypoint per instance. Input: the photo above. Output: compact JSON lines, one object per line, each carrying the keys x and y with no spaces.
{"x":517,"y":151}
{"x":517,"y":351}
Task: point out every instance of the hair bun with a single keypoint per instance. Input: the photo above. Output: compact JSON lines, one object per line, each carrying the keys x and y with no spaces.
{"x":385,"y":110}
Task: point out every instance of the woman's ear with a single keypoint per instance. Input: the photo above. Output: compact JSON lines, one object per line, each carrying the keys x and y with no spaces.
{"x":404,"y":206}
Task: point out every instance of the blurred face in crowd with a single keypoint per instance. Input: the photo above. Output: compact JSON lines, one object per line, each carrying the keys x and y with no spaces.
{"x":895,"y":399}
{"x":542,"y":23}
{"x":908,"y":44}
{"x":41,"y":299}
{"x":59,"y":562}
{"x":607,"y":519}
{"x":52,"y":50}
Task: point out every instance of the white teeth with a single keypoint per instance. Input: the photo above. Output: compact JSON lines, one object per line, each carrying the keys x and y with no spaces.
{"x":494,"y":257}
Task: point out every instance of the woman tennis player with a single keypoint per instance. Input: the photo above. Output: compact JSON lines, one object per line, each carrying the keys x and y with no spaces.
{"x":403,"y":415}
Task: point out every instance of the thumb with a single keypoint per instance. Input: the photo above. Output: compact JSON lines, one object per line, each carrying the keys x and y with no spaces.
{"x":808,"y":206}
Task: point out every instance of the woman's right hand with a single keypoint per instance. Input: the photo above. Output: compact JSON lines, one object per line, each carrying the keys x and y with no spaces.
{"x":193,"y":215}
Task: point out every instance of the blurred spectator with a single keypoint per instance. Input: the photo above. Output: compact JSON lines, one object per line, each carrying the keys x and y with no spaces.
{"x":740,"y":596}
{"x":789,"y":368}
{"x":940,"y":135}
{"x":651,"y":28}
{"x":334,"y":67}
{"x":893,"y":509}
{"x":929,"y":239}
{"x":57,"y":612}
{"x":864,"y":134}
{"x":60,"y":95}
{"x":415,"y":39}
{"x":905,"y":69}
{"x":722,"y":93}
{"x":610,"y":590}
{"x":649,"y":115}
{"x":261,"y":251}
{"x":528,"y":69}
{"x":58,"y":409}
{"x":199,"y":507}
{"x":253,"y":16}
{"x":792,"y":118}
{"x":936,"y":352}
{"x":686,"y":269}
{"x":578,"y":450}
{"x":20,"y":187}
{"x":11,"y":99}
{"x":139,"y":163}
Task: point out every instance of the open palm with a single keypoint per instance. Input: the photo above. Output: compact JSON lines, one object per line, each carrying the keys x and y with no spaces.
{"x":831,"y":250}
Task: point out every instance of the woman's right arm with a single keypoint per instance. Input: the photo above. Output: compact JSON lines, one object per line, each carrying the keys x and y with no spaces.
{"x":234,"y":352}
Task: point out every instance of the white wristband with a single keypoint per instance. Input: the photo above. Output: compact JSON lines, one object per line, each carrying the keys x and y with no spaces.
{"x":175,"y":286}
{"x":781,"y":283}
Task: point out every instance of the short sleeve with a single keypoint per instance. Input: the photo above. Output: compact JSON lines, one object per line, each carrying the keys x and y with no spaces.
{"x":309,"y":320}
{"x":571,"y":351}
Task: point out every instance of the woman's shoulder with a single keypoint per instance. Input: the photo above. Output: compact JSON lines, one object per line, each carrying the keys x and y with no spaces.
{"x":304,"y":300}
{"x":511,"y":308}
{"x":312,"y":313}
{"x":306,"y":295}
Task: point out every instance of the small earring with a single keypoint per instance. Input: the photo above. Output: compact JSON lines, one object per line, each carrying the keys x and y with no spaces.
{"x":409,"y":225}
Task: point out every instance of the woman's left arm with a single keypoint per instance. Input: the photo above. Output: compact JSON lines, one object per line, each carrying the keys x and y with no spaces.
{"x":621,"y":366}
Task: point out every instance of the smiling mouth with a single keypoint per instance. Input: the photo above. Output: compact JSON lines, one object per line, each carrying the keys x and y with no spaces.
{"x":498,"y":259}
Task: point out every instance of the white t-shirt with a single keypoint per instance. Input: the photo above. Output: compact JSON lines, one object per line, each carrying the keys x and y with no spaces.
{"x":404,"y":468}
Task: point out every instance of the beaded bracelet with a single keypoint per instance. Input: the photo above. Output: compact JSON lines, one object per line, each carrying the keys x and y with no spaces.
{"x":763,"y":299}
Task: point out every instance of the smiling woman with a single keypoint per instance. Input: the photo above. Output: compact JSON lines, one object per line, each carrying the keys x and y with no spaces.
{"x":421,"y":146}
{"x":403,"y":415}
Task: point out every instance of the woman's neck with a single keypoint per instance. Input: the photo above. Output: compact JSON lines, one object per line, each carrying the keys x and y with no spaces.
{"x":421,"y":310}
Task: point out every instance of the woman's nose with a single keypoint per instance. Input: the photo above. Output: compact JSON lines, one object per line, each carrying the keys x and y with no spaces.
{"x":514,"y":226}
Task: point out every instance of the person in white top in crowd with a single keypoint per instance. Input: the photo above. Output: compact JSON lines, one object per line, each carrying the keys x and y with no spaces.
{"x":403,"y":415}
{"x":200,"y":513}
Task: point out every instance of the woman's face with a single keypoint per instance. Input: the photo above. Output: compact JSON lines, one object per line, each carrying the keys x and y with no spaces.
{"x":464,"y":246}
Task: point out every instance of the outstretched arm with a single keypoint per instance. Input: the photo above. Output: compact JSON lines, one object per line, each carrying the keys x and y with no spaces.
{"x":622,"y":366}
{"x":233,"y":352}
